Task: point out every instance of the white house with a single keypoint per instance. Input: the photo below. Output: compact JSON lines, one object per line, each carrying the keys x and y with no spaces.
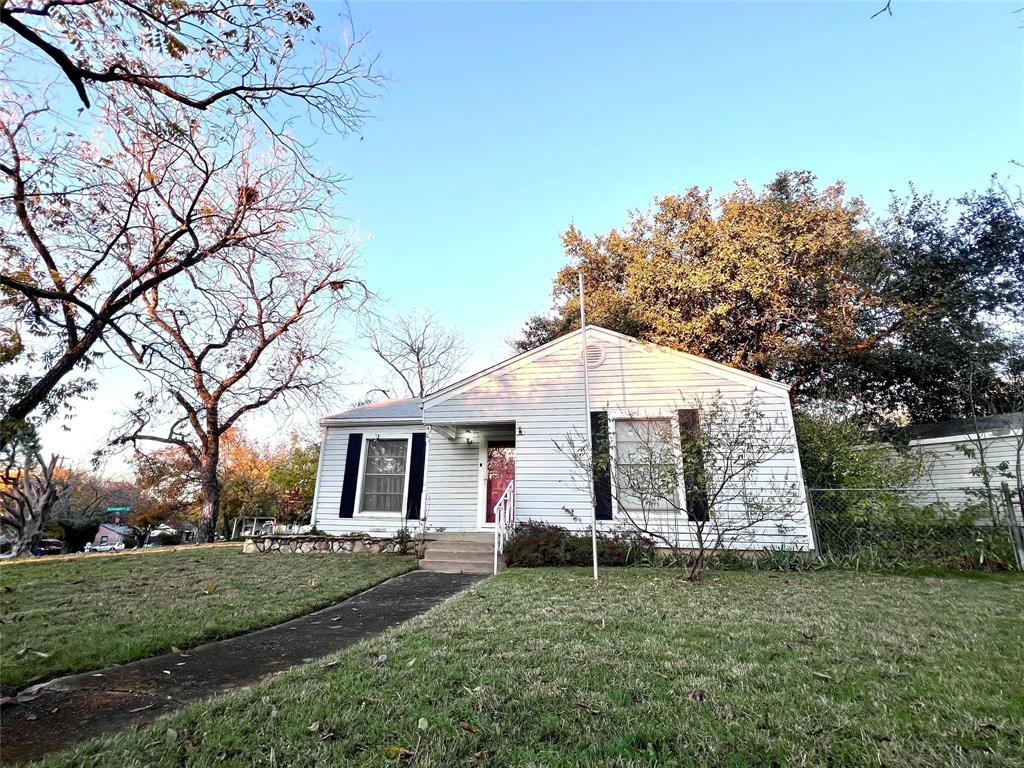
{"x":952,"y":452}
{"x":491,"y":441}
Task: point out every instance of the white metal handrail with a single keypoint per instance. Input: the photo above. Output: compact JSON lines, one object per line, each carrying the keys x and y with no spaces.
{"x":504,"y":511}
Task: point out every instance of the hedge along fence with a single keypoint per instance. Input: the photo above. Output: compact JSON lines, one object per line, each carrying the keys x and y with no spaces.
{"x":885,"y":528}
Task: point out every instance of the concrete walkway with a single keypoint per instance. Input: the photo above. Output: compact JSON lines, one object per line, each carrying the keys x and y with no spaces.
{"x":56,"y":714}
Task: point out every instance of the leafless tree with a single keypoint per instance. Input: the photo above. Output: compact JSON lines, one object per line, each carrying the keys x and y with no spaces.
{"x":700,"y":486}
{"x":247,"y":56}
{"x":176,"y":82}
{"x":93,"y":230}
{"x":419,"y":354}
{"x":250,"y":327}
{"x":30,"y":489}
{"x":992,"y":408}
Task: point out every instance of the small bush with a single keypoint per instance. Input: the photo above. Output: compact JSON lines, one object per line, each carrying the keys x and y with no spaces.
{"x":533,"y":545}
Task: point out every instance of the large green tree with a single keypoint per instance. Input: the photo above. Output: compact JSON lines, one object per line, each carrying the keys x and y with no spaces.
{"x":797,"y":283}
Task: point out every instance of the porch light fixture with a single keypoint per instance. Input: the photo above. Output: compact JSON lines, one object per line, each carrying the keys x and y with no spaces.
{"x":469,"y":437}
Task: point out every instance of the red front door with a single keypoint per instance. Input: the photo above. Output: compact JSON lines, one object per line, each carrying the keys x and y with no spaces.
{"x":501,"y":470}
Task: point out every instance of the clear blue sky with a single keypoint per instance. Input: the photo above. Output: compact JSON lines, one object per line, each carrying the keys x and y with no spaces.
{"x":503,"y":123}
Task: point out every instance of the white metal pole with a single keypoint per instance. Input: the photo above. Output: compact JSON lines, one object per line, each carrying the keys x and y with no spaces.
{"x":586,"y":421}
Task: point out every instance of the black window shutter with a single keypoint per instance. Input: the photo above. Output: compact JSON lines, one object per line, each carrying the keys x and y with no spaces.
{"x":351,"y":480}
{"x":601,"y":465}
{"x":417,"y":459}
{"x":693,"y":465}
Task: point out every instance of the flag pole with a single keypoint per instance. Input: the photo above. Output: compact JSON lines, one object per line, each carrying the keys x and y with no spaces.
{"x":586,"y":421}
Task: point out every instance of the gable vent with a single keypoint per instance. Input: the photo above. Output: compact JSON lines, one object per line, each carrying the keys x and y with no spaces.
{"x":595,"y":355}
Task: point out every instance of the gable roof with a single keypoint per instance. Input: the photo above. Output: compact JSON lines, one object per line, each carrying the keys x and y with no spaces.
{"x":512,"y":363}
{"x":407,"y":409}
{"x":1002,"y":424}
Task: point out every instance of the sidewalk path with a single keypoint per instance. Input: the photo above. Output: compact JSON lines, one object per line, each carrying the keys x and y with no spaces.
{"x":69,"y":709}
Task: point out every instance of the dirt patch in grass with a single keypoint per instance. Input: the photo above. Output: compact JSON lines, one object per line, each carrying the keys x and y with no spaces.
{"x":80,"y":614}
{"x":543,"y":668}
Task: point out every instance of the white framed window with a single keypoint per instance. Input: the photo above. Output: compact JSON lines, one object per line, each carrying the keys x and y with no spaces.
{"x":384,"y":475}
{"x":646,"y":476}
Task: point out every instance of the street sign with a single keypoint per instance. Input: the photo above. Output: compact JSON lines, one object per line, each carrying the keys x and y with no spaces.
{"x":120,"y":508}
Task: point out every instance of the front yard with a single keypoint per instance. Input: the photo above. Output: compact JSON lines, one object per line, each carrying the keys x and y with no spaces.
{"x":73,"y":615}
{"x":542,"y":668}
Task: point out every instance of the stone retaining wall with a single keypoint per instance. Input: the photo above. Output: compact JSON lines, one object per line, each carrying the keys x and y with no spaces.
{"x":308,"y":545}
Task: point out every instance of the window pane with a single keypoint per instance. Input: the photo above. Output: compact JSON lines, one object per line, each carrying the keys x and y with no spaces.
{"x":646,"y":476}
{"x":384,"y":476}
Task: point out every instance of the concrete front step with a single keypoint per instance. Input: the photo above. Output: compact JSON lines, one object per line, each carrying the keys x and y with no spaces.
{"x":459,"y":553}
{"x":461,"y":547}
{"x":481,"y":537}
{"x":457,"y":566}
{"x":433,"y":554}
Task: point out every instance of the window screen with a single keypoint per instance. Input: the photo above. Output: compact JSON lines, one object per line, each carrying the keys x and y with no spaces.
{"x":646,"y":479}
{"x":384,"y":476}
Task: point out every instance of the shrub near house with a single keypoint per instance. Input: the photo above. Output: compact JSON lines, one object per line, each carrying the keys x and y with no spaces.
{"x":533,"y":544}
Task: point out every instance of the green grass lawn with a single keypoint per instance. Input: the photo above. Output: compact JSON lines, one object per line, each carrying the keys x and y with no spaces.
{"x":78,"y":614}
{"x":542,"y":668}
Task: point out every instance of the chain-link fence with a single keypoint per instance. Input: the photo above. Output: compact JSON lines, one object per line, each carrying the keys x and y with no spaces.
{"x":962,"y":528}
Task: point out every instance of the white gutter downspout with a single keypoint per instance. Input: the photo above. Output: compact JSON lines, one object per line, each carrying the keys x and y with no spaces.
{"x":586,"y":421}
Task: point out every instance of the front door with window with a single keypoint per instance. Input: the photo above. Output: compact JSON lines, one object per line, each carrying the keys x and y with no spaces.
{"x":501,"y":472}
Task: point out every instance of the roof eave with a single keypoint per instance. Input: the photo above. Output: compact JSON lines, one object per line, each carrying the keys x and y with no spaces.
{"x":330,"y":421}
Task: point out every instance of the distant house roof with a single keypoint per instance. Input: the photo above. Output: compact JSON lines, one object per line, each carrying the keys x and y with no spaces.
{"x":957,"y":427}
{"x":120,"y":530}
{"x":408,"y":409}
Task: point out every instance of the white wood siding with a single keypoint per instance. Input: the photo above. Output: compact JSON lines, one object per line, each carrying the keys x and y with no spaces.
{"x":947,"y":472}
{"x":543,"y":396}
{"x":327,"y":510}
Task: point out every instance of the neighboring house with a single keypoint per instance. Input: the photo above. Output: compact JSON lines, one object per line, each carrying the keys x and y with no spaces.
{"x":112,"y":533}
{"x":951,"y":454}
{"x":448,"y":460}
{"x":186,"y":531}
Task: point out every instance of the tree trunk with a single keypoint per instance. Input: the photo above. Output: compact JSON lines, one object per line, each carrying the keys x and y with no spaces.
{"x":209,"y":497}
{"x":21,"y":545}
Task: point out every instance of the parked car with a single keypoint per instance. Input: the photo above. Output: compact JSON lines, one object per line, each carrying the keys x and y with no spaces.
{"x":45,"y":547}
{"x":113,"y":546}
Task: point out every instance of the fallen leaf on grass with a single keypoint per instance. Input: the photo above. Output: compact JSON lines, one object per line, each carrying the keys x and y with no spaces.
{"x":423,"y":724}
{"x":382,"y":658}
{"x":481,"y":755}
{"x":401,"y":752}
{"x":822,"y":675}
{"x":588,"y":708}
{"x":315,"y":727}
{"x":40,"y":654}
{"x":171,"y":735}
{"x":210,"y":589}
{"x":467,"y":727}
